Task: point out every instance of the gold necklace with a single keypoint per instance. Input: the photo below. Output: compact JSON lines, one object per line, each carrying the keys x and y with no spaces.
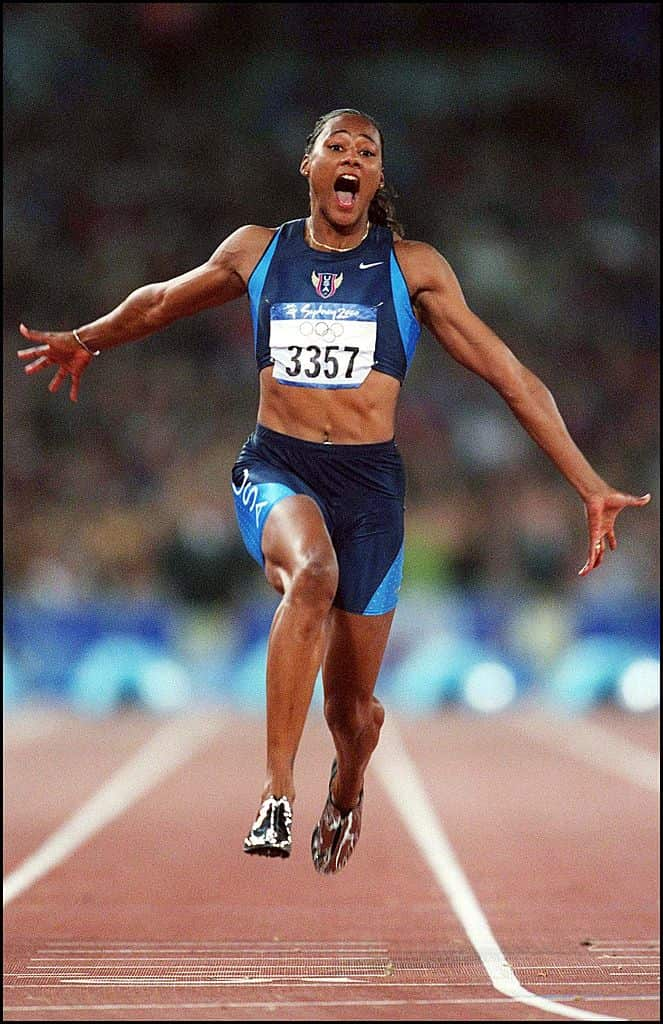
{"x":333,"y":248}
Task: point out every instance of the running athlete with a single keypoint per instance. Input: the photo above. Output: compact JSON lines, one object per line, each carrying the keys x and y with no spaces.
{"x":337,"y":300}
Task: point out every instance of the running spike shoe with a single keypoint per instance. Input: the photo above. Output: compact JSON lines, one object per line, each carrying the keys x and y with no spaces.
{"x":271,"y":832}
{"x":336,"y":834}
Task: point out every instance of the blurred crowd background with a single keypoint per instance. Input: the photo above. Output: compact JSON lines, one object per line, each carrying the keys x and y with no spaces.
{"x":522,"y":140}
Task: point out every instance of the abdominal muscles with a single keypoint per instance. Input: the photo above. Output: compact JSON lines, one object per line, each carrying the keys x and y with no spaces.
{"x":363,"y":415}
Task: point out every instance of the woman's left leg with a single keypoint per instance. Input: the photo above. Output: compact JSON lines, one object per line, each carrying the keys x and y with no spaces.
{"x":353,"y":655}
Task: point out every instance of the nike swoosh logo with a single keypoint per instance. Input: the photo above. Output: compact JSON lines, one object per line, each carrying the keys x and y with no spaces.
{"x":367,"y":266}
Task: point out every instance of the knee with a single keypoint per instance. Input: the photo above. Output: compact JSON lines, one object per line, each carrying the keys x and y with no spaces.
{"x":348,"y":718}
{"x":378,"y":713}
{"x":314,"y":581}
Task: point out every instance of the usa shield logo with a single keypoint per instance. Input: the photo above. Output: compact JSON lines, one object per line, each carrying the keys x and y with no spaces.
{"x":326,"y":285}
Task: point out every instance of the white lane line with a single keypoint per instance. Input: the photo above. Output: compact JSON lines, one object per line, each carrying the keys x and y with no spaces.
{"x":616,"y":956}
{"x":305,"y":981}
{"x":56,"y":946}
{"x":402,"y":783}
{"x":601,"y":981}
{"x":182,"y":961}
{"x":288,"y":982}
{"x":184,"y":964}
{"x":292,"y":1004}
{"x":592,"y":743}
{"x":166,"y":750}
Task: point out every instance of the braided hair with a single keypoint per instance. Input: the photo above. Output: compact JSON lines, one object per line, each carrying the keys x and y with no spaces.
{"x":382,"y":210}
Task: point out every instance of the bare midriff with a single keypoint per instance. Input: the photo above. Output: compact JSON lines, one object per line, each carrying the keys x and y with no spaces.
{"x":363,"y":415}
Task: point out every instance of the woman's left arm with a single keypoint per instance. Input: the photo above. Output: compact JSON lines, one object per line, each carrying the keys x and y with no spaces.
{"x":441,"y":306}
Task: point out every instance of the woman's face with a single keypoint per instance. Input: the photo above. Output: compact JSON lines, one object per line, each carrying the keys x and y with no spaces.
{"x":344,"y":169}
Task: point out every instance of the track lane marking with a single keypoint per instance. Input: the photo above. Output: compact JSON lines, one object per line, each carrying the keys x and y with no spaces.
{"x":183,"y":960}
{"x":402,"y":783}
{"x":593,"y":744}
{"x":287,"y":982}
{"x":165,"y":751}
{"x":292,"y":1004}
{"x":64,"y":944}
{"x":163,"y":963}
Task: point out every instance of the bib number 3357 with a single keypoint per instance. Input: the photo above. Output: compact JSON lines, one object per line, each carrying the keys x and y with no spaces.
{"x":324,"y":346}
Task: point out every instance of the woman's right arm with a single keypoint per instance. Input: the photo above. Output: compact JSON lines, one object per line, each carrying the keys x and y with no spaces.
{"x":148,"y":309}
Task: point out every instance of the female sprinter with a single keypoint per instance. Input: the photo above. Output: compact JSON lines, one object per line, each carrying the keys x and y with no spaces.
{"x":337,"y":299}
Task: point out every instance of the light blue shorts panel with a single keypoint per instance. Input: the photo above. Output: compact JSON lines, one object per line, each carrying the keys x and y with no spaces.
{"x":253,"y":503}
{"x":385,"y":598}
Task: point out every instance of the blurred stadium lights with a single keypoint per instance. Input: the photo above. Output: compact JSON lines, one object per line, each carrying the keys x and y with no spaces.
{"x":11,"y":688}
{"x":164,"y":685}
{"x":122,"y":669}
{"x":638,"y":685}
{"x":245,"y":683}
{"x":432,"y":674}
{"x":489,"y":687}
{"x":591,"y":670}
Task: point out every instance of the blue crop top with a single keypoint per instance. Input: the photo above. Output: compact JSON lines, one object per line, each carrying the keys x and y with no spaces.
{"x":326,"y":319}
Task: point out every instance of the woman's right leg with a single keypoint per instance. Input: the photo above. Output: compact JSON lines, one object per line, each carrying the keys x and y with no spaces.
{"x":300,"y":564}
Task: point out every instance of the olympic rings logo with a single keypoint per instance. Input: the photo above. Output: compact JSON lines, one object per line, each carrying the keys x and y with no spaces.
{"x":322,"y":328}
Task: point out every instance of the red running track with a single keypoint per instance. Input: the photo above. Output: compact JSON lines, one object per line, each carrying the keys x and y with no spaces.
{"x":507,"y":870}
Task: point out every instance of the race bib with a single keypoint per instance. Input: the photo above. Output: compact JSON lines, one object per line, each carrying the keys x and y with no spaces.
{"x":322,"y":345}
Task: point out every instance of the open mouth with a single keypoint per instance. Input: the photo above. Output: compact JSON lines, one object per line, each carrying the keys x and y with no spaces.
{"x":346,"y":188}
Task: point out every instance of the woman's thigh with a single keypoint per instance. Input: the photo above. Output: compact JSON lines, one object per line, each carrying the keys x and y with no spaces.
{"x":295,"y":540}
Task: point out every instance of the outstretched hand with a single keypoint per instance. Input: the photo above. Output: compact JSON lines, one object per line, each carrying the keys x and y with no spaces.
{"x":55,"y":348}
{"x":601,"y":511}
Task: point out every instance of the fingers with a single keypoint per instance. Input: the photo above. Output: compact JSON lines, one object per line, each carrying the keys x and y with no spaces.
{"x":28,"y":353}
{"x":41,"y":351}
{"x":588,"y":566}
{"x":57,"y":380}
{"x":39,"y":364}
{"x":595,"y":543}
{"x":626,"y":500}
{"x":595,"y":556}
{"x":31,"y":335}
{"x":61,"y":376}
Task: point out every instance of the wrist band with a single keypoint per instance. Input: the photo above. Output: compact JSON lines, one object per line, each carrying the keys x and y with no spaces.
{"x":83,"y":345}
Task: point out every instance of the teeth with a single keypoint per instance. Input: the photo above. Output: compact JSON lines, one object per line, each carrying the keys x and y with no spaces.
{"x":349,"y":182}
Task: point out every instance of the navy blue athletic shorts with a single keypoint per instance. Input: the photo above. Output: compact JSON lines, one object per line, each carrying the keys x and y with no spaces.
{"x":360,"y":490}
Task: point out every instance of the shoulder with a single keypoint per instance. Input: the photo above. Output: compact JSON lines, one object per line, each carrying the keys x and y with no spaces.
{"x":424,"y":268}
{"x":433,"y":286}
{"x":241,"y":250}
{"x":250,"y":239}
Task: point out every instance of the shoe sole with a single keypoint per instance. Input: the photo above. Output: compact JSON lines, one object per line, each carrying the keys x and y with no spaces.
{"x":267,"y":851}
